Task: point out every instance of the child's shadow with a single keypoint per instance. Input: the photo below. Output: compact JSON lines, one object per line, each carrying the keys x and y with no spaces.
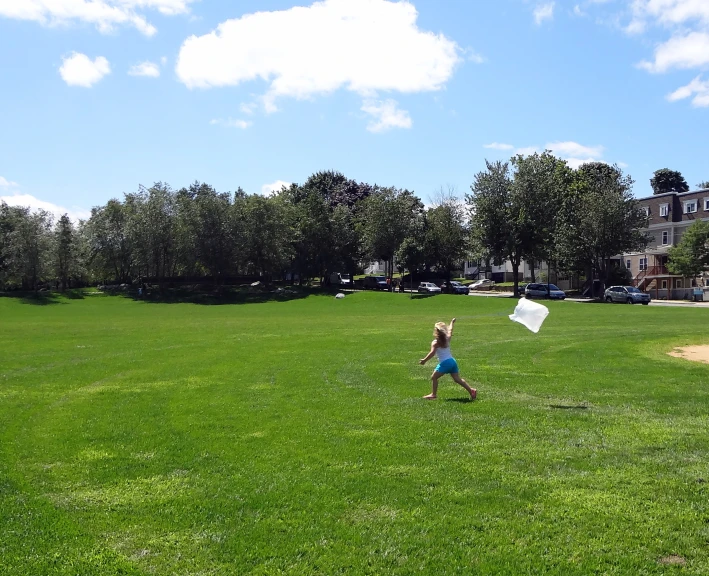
{"x":460,"y":400}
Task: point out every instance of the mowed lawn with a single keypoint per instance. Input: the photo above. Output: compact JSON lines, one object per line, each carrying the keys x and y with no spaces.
{"x":291,"y":438}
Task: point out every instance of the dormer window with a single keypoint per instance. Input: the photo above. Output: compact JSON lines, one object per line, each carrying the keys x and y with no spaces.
{"x":646,"y":210}
{"x":665,"y":210}
{"x":690,"y":206}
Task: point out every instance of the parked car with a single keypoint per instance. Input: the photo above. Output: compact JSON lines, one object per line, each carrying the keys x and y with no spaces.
{"x":429,"y":287}
{"x":484,"y":284}
{"x":455,"y":287}
{"x":626,"y":295}
{"x":340,"y":279}
{"x":375,"y":283}
{"x":550,"y":291}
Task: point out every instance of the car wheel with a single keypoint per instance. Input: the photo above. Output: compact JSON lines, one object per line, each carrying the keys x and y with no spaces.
{"x":609,"y":300}
{"x":646,"y":303}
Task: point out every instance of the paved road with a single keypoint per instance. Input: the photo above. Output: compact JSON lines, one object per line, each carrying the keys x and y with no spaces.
{"x":669,"y":303}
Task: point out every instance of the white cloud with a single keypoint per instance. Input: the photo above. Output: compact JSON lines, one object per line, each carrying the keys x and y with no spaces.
{"x":4,"y":183}
{"x":671,"y":12}
{"x":79,"y":70}
{"x":568,"y":149}
{"x":104,"y":14}
{"x":27,"y":200}
{"x":474,"y":56}
{"x":270,"y":189}
{"x":386,"y":115}
{"x":231,"y":123}
{"x":574,"y":153}
{"x":364,"y":46}
{"x":149,"y":69}
{"x":527,"y":150}
{"x":499,"y":146}
{"x":543,"y":12}
{"x":576,"y":163}
{"x":698,"y":88}
{"x":247,"y":108}
{"x":689,"y":51}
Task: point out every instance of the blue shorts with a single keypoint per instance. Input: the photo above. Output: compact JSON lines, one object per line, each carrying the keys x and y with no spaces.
{"x":449,"y":366}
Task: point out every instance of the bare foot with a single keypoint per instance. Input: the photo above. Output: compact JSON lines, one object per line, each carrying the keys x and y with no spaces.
{"x":430,"y":397}
{"x":473,"y":394}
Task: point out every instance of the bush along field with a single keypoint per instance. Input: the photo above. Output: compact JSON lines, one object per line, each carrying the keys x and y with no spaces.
{"x":290,"y":437}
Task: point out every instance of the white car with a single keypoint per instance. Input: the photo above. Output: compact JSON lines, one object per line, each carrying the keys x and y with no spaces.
{"x":429,"y":287}
{"x":484,"y":284}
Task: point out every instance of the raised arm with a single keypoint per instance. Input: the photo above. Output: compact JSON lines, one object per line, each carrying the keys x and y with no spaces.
{"x":450,"y":329}
{"x":434,"y":344}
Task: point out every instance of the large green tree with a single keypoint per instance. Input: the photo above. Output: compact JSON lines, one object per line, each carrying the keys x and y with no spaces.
{"x":109,"y":245}
{"x":386,"y":219}
{"x":66,"y":251}
{"x":153,"y":226}
{"x":666,"y":180}
{"x":264,"y":228}
{"x":599,"y":218}
{"x":540,"y":182}
{"x":690,"y":256}
{"x":28,"y":248}
{"x":208,"y":229}
{"x":446,"y":236}
{"x":499,"y":216}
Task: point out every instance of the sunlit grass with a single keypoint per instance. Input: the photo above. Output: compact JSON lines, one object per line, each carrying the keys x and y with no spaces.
{"x":290,"y":438}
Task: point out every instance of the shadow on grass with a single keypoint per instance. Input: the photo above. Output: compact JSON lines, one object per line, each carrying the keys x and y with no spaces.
{"x":459,"y":400}
{"x":225,"y":296}
{"x":36,"y":298}
{"x":568,"y":407}
{"x":422,"y":296}
{"x":45,"y":298}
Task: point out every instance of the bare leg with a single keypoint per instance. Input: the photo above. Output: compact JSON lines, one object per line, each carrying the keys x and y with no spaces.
{"x":472,"y":391}
{"x":434,"y":382}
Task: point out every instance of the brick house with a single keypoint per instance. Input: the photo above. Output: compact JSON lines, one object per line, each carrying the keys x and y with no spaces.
{"x":669,"y":216}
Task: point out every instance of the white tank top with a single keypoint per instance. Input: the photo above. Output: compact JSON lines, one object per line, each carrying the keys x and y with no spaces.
{"x":443,"y":353}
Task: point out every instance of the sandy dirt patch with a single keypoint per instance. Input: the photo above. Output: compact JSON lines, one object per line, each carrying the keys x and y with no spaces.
{"x":693,"y":353}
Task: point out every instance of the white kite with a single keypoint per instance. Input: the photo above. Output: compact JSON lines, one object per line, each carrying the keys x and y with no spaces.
{"x":530,"y":314}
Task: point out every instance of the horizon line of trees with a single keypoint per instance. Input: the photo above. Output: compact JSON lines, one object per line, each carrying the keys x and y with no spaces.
{"x":533,"y":208}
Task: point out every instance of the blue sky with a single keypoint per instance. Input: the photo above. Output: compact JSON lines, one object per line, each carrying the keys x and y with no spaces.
{"x":99,"y":96}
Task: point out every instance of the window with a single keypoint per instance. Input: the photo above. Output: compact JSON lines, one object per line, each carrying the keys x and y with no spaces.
{"x":706,"y":204}
{"x":665,"y":238}
{"x":646,"y":210}
{"x":664,"y":284}
{"x":690,"y":206}
{"x":628,"y":263}
{"x":678,"y":283}
{"x":665,"y":210}
{"x":643,"y":263}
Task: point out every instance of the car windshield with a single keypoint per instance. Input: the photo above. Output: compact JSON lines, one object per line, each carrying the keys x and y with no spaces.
{"x":380,"y":278}
{"x":454,"y":283}
{"x":554,"y":287}
{"x":633,"y":290}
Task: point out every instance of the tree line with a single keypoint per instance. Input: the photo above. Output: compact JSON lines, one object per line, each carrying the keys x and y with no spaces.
{"x":534,"y":208}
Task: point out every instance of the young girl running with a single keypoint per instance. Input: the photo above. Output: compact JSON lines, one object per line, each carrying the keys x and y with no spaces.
{"x":446,"y":363}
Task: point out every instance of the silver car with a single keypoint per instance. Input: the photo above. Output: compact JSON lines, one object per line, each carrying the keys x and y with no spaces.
{"x":626,"y":295}
{"x":550,"y":291}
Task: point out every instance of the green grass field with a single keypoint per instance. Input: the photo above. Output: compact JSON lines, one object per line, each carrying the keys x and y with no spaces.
{"x":291,"y":438}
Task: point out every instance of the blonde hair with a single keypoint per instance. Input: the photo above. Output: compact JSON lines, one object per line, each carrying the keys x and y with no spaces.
{"x":440,"y":333}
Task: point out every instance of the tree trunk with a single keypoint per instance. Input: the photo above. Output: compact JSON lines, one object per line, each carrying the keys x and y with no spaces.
{"x":531,"y":269}
{"x":515,"y":273}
